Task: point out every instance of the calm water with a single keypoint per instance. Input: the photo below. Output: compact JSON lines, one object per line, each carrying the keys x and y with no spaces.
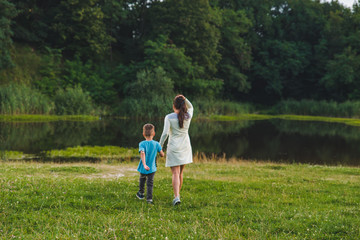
{"x":274,"y":140}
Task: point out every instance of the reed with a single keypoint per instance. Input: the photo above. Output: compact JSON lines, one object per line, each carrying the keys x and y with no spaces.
{"x":219,"y":107}
{"x":21,"y":99}
{"x":73,"y":101}
{"x":348,"y":109}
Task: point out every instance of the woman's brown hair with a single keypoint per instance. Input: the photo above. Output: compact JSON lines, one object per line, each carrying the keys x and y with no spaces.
{"x":179,"y":104}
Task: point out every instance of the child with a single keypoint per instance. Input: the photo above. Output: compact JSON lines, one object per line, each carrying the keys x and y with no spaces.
{"x":148,"y":150}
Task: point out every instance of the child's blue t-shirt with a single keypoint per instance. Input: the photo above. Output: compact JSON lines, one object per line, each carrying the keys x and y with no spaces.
{"x":151,"y":148}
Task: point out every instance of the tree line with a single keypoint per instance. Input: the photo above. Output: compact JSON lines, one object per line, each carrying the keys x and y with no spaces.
{"x":140,"y":51}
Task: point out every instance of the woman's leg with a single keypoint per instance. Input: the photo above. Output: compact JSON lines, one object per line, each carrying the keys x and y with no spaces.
{"x":181,"y":176}
{"x":176,"y":180}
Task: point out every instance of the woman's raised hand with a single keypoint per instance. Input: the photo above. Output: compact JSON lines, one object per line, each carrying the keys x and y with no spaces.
{"x":180,"y":95}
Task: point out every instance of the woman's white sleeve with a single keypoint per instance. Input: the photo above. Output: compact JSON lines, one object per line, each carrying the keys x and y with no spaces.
{"x":190,"y":108}
{"x":165,"y":132}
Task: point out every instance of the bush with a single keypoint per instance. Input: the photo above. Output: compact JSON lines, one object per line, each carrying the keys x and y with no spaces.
{"x":21,"y":99}
{"x":50,"y":70}
{"x":95,"y":79}
{"x":73,"y":101}
{"x":150,"y":95}
{"x":211,"y":107}
{"x":318,"y":108}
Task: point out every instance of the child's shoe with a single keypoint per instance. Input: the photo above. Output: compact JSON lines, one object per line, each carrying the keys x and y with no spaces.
{"x":140,"y":196}
{"x":149,"y":201}
{"x":176,"y":201}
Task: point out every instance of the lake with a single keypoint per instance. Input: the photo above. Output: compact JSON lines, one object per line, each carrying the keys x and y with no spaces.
{"x":270,"y":140}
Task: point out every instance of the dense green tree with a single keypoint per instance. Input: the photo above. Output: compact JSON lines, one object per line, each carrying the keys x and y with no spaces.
{"x":180,"y":68}
{"x":235,"y":53}
{"x":193,"y":26}
{"x":260,"y":51}
{"x":33,"y":23}
{"x":342,"y":79}
{"x":148,"y":93}
{"x":7,"y":12}
{"x":115,"y":13}
{"x":81,"y":29}
{"x":96,"y":79}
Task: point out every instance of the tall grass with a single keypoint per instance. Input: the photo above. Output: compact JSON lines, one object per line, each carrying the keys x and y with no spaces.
{"x":159,"y":107}
{"x":20,"y":99}
{"x":318,"y":108}
{"x":211,"y":107}
{"x":73,"y":101}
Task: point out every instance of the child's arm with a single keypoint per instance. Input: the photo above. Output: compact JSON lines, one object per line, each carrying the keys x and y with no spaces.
{"x":161,"y":153}
{"x":142,"y":157}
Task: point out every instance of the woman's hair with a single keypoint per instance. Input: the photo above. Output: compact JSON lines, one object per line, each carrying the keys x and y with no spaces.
{"x":179,"y":104}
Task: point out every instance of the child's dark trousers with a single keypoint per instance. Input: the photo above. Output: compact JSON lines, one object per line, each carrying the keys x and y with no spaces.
{"x":149,"y":179}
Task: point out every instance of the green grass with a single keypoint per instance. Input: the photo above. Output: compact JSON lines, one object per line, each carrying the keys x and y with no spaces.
{"x":220,"y":200}
{"x":11,"y":155}
{"x":95,"y":153}
{"x":46,"y":118}
{"x":76,"y":154}
{"x":101,"y":152}
{"x":75,"y":169}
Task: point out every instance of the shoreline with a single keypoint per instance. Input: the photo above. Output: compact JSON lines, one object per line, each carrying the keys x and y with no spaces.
{"x":239,"y":117}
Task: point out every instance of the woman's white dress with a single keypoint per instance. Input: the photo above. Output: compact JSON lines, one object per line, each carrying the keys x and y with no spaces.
{"x":179,"y":150}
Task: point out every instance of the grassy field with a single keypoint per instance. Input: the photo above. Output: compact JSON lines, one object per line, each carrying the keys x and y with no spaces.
{"x":221,"y":199}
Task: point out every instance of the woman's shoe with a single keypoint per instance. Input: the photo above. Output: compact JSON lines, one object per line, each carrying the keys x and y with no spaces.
{"x":176,"y":201}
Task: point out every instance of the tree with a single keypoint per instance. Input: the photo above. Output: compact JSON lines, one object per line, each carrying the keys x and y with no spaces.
{"x":80,"y":27}
{"x":33,"y":23}
{"x":173,"y":60}
{"x":342,"y":79}
{"x":235,"y":52}
{"x":193,"y":26}
{"x":7,"y":12}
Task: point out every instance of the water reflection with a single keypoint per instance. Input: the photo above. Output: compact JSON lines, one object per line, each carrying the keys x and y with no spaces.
{"x":274,"y":140}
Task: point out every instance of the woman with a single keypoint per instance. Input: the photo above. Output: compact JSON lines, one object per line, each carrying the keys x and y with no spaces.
{"x":179,"y":153}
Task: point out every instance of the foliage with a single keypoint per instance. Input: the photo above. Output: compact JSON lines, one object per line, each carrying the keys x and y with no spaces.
{"x":235,"y":52}
{"x":27,"y":64}
{"x":80,"y":23}
{"x":20,"y":99}
{"x":7,"y":12}
{"x":262,"y":51}
{"x":178,"y":66}
{"x":147,"y":94}
{"x":207,"y":107}
{"x":319,"y":108}
{"x":192,"y":26}
{"x":94,"y":79}
{"x":50,"y":70}
{"x":342,"y":78}
{"x":73,"y":101}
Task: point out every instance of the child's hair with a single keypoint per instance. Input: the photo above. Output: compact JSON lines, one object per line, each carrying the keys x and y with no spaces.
{"x":179,"y":103}
{"x":148,"y":129}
